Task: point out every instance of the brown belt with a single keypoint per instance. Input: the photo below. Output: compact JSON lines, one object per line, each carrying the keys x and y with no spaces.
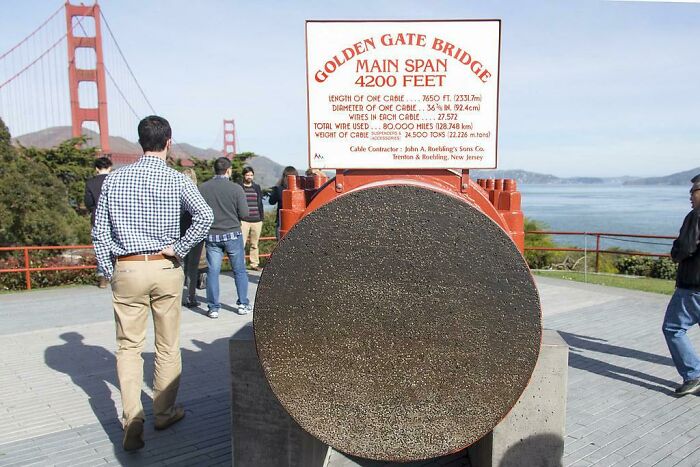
{"x":154,"y":257}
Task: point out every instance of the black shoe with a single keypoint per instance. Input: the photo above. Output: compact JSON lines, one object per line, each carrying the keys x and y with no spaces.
{"x":192,"y":303}
{"x":692,"y":386}
{"x":133,"y":435}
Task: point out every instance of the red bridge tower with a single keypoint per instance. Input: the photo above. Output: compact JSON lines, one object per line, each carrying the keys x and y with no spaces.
{"x":229,"y":149}
{"x":96,"y":75}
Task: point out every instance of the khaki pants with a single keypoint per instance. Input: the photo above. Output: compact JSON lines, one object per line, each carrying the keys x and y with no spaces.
{"x":253,"y":229}
{"x":137,"y":288}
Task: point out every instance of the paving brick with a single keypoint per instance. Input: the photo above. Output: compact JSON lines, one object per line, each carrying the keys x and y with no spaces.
{"x":619,"y":394}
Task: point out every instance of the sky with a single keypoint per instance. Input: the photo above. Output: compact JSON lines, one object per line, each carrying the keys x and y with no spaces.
{"x":587,"y":87}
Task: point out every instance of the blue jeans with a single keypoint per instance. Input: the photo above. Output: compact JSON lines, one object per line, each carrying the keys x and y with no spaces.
{"x":682,"y":313}
{"x":236,"y":256}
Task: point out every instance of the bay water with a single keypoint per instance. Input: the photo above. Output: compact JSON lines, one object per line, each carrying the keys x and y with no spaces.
{"x":651,"y":210}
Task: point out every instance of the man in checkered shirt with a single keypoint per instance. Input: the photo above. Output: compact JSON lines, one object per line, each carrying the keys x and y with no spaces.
{"x":138,"y":246}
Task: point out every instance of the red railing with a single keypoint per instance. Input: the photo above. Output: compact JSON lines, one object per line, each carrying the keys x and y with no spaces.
{"x":28,"y":269}
{"x":597,"y":250}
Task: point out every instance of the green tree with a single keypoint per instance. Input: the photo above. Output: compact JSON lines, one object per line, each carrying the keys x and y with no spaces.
{"x":34,"y":203}
{"x":71,"y":162}
{"x":204,"y":168}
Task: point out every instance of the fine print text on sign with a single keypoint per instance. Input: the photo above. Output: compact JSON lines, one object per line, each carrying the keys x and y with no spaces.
{"x":403,"y":94}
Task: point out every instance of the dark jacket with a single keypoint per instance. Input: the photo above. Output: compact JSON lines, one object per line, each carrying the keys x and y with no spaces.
{"x":685,"y":252}
{"x":93,"y":189}
{"x":227,"y":200}
{"x":276,"y":198}
{"x":261,"y":210}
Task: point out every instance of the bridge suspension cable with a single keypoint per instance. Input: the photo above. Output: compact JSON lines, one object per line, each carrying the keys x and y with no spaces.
{"x":29,"y":84}
{"x":34,"y":87}
{"x":126,"y":62}
{"x":31,"y":34}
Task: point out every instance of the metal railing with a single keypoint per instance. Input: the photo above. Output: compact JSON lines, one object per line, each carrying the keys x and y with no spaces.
{"x":28,"y":269}
{"x":597,"y":250}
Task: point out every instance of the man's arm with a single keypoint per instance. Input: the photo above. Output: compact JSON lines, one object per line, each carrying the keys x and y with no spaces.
{"x":241,"y":203}
{"x":102,"y":234}
{"x":686,"y":244}
{"x":275,"y":195}
{"x":202,"y":218}
{"x":89,"y":198}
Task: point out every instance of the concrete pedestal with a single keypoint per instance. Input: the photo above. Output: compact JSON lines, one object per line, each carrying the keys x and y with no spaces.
{"x":532,"y":434}
{"x":264,"y":435}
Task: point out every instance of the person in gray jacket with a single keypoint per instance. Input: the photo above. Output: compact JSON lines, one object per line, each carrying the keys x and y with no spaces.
{"x":683,"y":311}
{"x":228,"y":201}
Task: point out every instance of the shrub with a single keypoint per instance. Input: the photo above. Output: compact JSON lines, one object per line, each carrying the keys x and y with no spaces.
{"x":538,"y":259}
{"x":660,"y":268}
{"x":664,"y":268}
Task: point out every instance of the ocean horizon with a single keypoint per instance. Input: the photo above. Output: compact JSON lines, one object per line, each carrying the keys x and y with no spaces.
{"x":610,"y":208}
{"x":629,"y":209}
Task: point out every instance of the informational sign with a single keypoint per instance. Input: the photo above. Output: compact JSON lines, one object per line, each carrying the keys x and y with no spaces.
{"x":403,"y":94}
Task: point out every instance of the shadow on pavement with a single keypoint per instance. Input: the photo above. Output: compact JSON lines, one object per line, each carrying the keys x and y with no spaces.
{"x":578,"y":343}
{"x":540,"y":450}
{"x":93,"y":369}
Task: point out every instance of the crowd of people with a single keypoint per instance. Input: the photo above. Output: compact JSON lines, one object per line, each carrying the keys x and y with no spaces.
{"x":238,"y":222}
{"x":151,"y":225}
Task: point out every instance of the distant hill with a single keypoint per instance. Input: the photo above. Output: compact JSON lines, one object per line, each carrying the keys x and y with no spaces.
{"x":525,"y":177}
{"x":267,"y":172}
{"x":678,"y":178}
{"x":194,"y":151}
{"x":53,"y":136}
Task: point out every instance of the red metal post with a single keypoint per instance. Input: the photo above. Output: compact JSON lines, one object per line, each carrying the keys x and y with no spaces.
{"x":229,"y":149}
{"x":597,"y":251}
{"x":27,"y":274}
{"x":76,"y":75}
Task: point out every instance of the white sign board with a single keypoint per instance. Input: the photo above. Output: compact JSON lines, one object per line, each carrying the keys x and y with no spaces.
{"x":403,"y":94}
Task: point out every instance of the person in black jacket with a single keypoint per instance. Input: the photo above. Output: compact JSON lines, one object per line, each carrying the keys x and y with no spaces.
{"x":191,"y":260}
{"x":251,"y":225}
{"x":93,"y":188}
{"x":683,"y":310}
{"x":276,"y":193}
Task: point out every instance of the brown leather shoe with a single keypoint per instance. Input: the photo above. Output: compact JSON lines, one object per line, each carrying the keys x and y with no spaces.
{"x":133,"y":435}
{"x":102,"y":283}
{"x":179,"y":414}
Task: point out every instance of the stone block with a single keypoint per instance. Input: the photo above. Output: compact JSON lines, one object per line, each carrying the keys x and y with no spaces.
{"x":262,"y":433}
{"x":532,"y":433}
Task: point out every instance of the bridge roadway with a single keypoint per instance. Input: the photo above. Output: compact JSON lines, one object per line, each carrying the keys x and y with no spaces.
{"x":59,"y":402}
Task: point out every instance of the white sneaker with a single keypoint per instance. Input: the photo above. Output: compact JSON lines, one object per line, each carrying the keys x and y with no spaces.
{"x":244,"y":309}
{"x":213,"y":314}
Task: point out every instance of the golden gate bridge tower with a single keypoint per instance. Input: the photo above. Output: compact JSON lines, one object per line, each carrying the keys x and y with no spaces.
{"x":229,"y":149}
{"x":80,"y":75}
{"x":43,"y":105}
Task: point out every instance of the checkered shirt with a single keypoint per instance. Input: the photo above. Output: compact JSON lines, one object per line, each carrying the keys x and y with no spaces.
{"x":139,"y":212}
{"x":223,"y":237}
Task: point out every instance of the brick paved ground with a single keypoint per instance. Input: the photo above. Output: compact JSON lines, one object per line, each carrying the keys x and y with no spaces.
{"x":59,"y":403}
